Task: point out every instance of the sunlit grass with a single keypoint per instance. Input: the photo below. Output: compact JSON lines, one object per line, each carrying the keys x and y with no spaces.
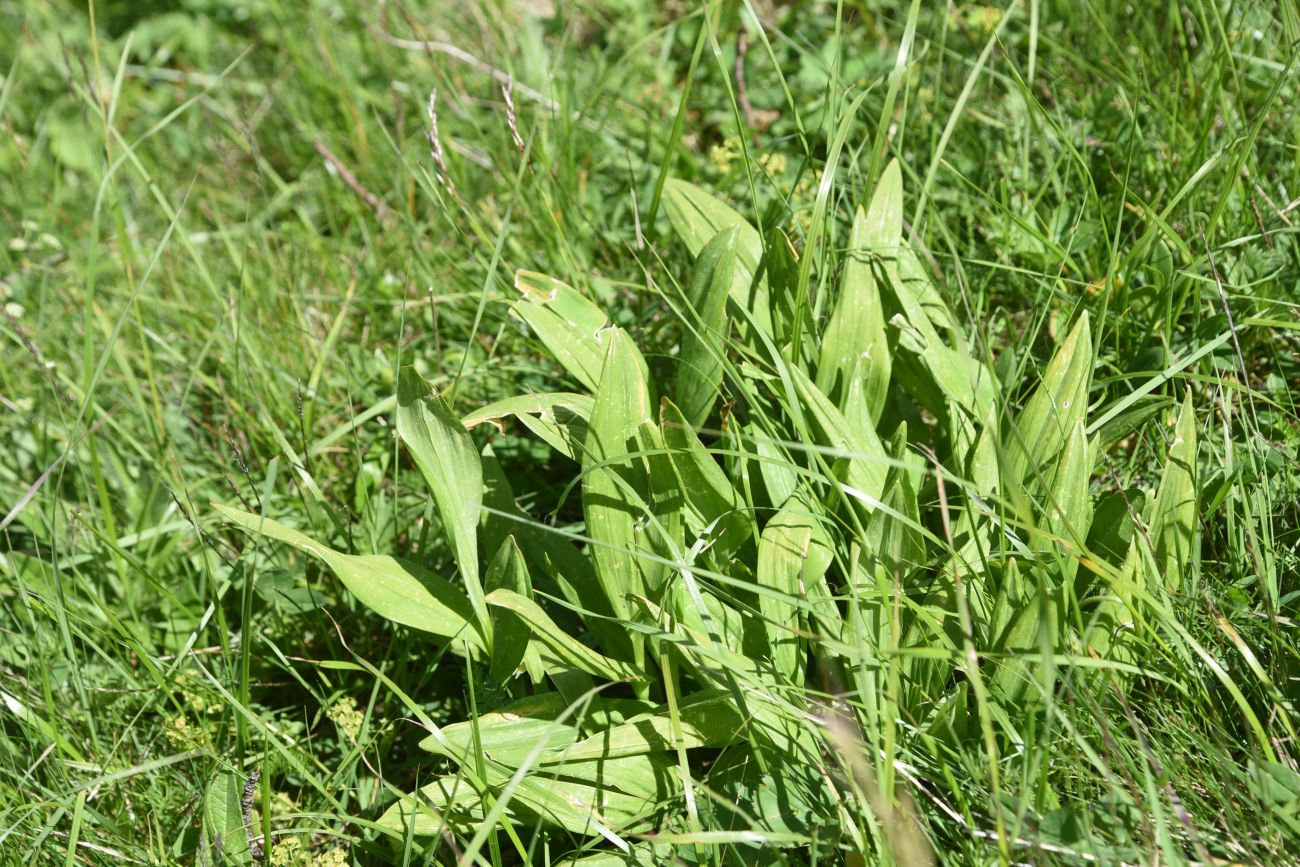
{"x":884,"y":582}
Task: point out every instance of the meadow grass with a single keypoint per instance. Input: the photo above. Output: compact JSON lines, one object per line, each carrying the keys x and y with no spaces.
{"x":999,"y":609}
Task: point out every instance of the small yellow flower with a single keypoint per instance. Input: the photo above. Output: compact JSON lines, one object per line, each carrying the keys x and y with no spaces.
{"x":344,"y":714}
{"x":181,"y":734}
{"x":723,"y":154}
{"x":287,"y":853}
{"x":773,"y":163}
{"x":336,"y":857}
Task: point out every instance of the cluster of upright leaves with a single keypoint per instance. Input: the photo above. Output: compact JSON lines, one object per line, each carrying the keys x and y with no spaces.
{"x":835,"y":499}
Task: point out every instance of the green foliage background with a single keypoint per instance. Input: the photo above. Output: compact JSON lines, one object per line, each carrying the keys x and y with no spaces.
{"x":233,"y":273}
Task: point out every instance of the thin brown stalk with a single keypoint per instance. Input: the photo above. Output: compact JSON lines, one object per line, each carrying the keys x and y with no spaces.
{"x":350,"y":181}
{"x":435,"y":144}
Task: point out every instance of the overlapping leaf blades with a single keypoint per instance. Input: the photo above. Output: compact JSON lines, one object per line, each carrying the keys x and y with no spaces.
{"x":833,"y":529}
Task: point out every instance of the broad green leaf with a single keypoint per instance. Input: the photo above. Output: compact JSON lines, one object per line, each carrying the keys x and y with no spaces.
{"x":1014,"y":676}
{"x":550,"y":555}
{"x":1110,"y":630}
{"x":615,"y":475}
{"x":1123,"y":424}
{"x":559,"y":419}
{"x":775,"y":806}
{"x":448,"y":802}
{"x":564,"y":646}
{"x":582,"y":807}
{"x":650,"y":776}
{"x":664,"y":535}
{"x":894,"y":540}
{"x":910,"y":278}
{"x":638,"y":855}
{"x":396,"y":590}
{"x":223,"y":819}
{"x":696,"y":217}
{"x":724,"y":621}
{"x":508,"y":734}
{"x":882,"y":230}
{"x":1174,"y":512}
{"x":1114,"y":524}
{"x":699,"y":370}
{"x":576,"y":331}
{"x":794,"y":553}
{"x":712,"y":504}
{"x":936,"y":371}
{"x":981,"y":459}
{"x":1012,"y":597}
{"x":708,"y":719}
{"x":781,"y":271}
{"x":855,"y":344}
{"x":509,"y":634}
{"x":938,"y":375}
{"x":868,"y":465}
{"x":1067,"y":504}
{"x":449,"y":462}
{"x":775,"y":466}
{"x":1055,"y":407}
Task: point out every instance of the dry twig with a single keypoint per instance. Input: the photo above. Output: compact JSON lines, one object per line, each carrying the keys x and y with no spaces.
{"x":350,"y":180}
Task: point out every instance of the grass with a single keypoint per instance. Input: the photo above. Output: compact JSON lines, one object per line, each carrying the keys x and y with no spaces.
{"x":1019,"y":588}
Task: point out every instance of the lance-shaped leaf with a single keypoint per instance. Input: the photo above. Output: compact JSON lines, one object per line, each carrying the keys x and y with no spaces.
{"x":866,"y":461}
{"x":781,"y":271}
{"x":448,"y":460}
{"x":1067,"y":504}
{"x":708,"y":719}
{"x":559,"y":419}
{"x":665,"y":529}
{"x":895,"y":544}
{"x":638,"y":855}
{"x":566,"y":648}
{"x":1014,"y":675}
{"x":696,"y":217}
{"x":448,"y":803}
{"x":938,"y":375}
{"x":396,"y":590}
{"x":616,"y":484}
{"x":1111,"y":625}
{"x":1173,"y":516}
{"x":599,"y":804}
{"x":508,"y":634}
{"x":699,"y":373}
{"x":1055,"y":407}
{"x":550,"y":555}
{"x":934,"y":370}
{"x":582,"y":807}
{"x":775,"y":465}
{"x":575,"y":331}
{"x":712,"y":503}
{"x":854,"y":344}
{"x":510,"y":733}
{"x":794,"y":552}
